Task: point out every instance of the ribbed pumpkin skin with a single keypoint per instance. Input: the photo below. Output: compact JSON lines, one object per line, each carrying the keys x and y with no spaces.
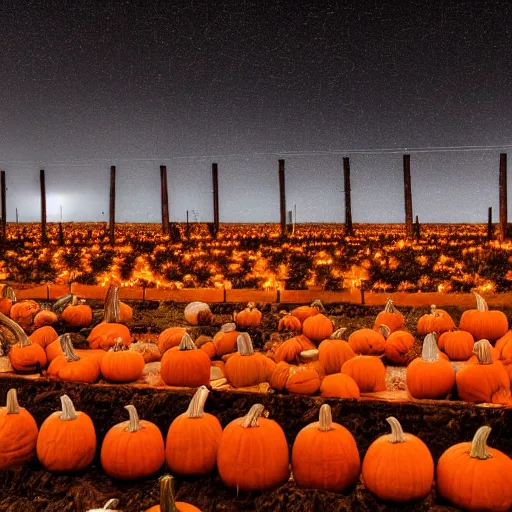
{"x":426,"y":379}
{"x":457,"y":345}
{"x":339,"y":385}
{"x":44,"y":336}
{"x":398,"y":472}
{"x":250,"y":370}
{"x":77,"y":316}
{"x":104,"y":335}
{"x":23,"y":312}
{"x":290,"y":349}
{"x":170,"y":337}
{"x":303,"y":381}
{"x":317,"y":328}
{"x":393,"y":320}
{"x":18,"y":437}
{"x":397,"y":345}
{"x":441,"y":322}
{"x":332,"y":353}
{"x":131,"y":455}
{"x":368,"y":371}
{"x":474,"y":484}
{"x":190,"y":368}
{"x":489,"y":325}
{"x":254,"y":458}
{"x":325,"y":460}
{"x":225,"y":342}
{"x":124,"y":366}
{"x":367,"y":342}
{"x":192,"y":444}
{"x":26,"y":359}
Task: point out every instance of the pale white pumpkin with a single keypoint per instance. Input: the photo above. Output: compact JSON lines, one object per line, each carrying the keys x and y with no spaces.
{"x":198,"y":313}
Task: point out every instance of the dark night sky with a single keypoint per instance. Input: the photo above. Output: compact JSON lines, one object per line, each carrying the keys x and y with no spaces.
{"x":85,"y":85}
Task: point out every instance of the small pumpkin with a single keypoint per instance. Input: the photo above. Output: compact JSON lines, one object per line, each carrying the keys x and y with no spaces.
{"x":44,"y":336}
{"x":132,"y":449}
{"x":7,"y":299}
{"x":317,"y":328}
{"x":474,"y":476}
{"x":253,"y":453}
{"x":77,"y":313}
{"x":167,"y":500}
{"x":457,"y":345}
{"x":170,"y":337}
{"x":187,"y":366}
{"x":225,"y":339}
{"x":486,"y":381}
{"x":339,"y":385}
{"x":430,"y":376}
{"x":368,"y":372}
{"x":334,"y":351}
{"x":248,"y":317}
{"x":119,"y":365}
{"x":390,"y":316}
{"x":193,"y":439}
{"x":290,"y":349}
{"x":288,"y":322}
{"x":303,"y":312}
{"x":303,"y":380}
{"x":397,"y":345}
{"x":367,"y":342}
{"x":198,"y":313}
{"x":398,"y":467}
{"x":67,"y":439}
{"x":23,"y":312}
{"x":18,"y":433}
{"x":246,"y":367}
{"x":44,"y":317}
{"x":483,"y":323}
{"x":438,"y":320}
{"x":325,"y":455}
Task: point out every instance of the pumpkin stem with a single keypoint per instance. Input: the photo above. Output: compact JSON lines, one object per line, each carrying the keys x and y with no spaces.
{"x":397,"y":434}
{"x":68,"y":409}
{"x":309,"y":355}
{"x":390,"y":307}
{"x":434,"y":311}
{"x":244,"y":344}
{"x":250,"y":306}
{"x":229,"y":327}
{"x":8,"y":293}
{"x":187,"y":343}
{"x":118,"y":344}
{"x":111,"y":504}
{"x":74,"y":300}
{"x":338,"y":333}
{"x":430,"y":352}
{"x":481,"y":305}
{"x":479,"y":444}
{"x":67,"y":347}
{"x":483,"y":351}
{"x":13,"y":407}
{"x":19,"y":333}
{"x":284,"y":313}
{"x":317,"y":304}
{"x":133,"y":424}
{"x":384,"y":330}
{"x":196,"y":405}
{"x":251,"y":418}
{"x":112,"y":311}
{"x":325,"y":418}
{"x":167,"y":499}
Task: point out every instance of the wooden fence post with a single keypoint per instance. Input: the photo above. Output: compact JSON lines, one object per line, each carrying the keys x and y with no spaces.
{"x":489,"y":223}
{"x":215,"y":179}
{"x":503,"y":196}
{"x":282,"y":197}
{"x":3,"y":199}
{"x":164,"y":199}
{"x":348,"y":198}
{"x":417,"y":229}
{"x":408,"y":196}
{"x":112,"y":212}
{"x":43,"y":206}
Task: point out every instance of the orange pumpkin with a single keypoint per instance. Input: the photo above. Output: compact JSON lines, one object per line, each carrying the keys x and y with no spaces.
{"x":397,"y":345}
{"x":485,"y":381}
{"x":119,"y":365}
{"x":67,"y":439}
{"x":170,"y":337}
{"x":188,"y":366}
{"x":303,"y":312}
{"x":104,"y":335}
{"x":438,"y":320}
{"x":367,"y":342}
{"x":474,"y":476}
{"x":303,"y":380}
{"x":482,"y":323}
{"x":398,"y":467}
{"x":44,"y":336}
{"x":167,"y":500}
{"x":325,"y":455}
{"x":390,"y":316}
{"x":23,"y":312}
{"x":317,"y":328}
{"x":193,"y":439}
{"x":132,"y":449}
{"x":280,"y":376}
{"x":290,"y":349}
{"x":225,"y":339}
{"x":288,"y":322}
{"x":430,"y":376}
{"x":18,"y":433}
{"x":339,"y":385}
{"x":246,"y":367}
{"x":7,"y":299}
{"x":504,"y":348}
{"x":248,"y":317}
{"x":77,"y":314}
{"x":253,"y":453}
{"x":457,"y":345}
{"x":368,"y":372}
{"x":334,"y":351}
{"x":45,"y":317}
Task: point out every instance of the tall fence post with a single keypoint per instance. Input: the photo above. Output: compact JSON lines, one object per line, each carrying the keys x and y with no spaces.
{"x":348,"y":198}
{"x":503,"y":196}
{"x":43,"y":206}
{"x":489,"y":223}
{"x":3,"y":198}
{"x":417,"y":228}
{"x":112,"y":211}
{"x":164,"y":199}
{"x":215,"y":179}
{"x":408,"y":196}
{"x":282,"y":197}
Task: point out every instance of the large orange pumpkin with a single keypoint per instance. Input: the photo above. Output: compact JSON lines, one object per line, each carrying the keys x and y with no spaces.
{"x":167,"y":500}
{"x":104,"y":335}
{"x":18,"y":433}
{"x":317,"y":328}
{"x":77,"y":314}
{"x":482,"y":323}
{"x":119,"y":365}
{"x":367,"y":342}
{"x":253,"y":453}
{"x":67,"y":439}
{"x":23,"y":312}
{"x":398,"y":467}
{"x":368,"y":372}
{"x":457,"y":345}
{"x":193,"y":439}
{"x":339,"y":385}
{"x":397,"y":346}
{"x":132,"y":449}
{"x":334,"y":351}
{"x":430,"y":376}
{"x":438,"y":320}
{"x":474,"y":476}
{"x":325,"y":455}
{"x":390,"y":316}
{"x":44,"y":336}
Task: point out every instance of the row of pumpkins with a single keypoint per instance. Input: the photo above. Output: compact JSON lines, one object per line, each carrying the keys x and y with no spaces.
{"x":251,"y":453}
